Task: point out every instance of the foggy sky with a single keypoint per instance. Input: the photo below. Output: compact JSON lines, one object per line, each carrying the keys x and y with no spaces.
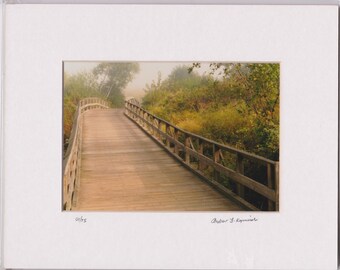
{"x":148,"y":72}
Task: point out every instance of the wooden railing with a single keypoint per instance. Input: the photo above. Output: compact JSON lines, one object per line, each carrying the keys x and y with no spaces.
{"x":72,"y":159}
{"x":222,"y":166}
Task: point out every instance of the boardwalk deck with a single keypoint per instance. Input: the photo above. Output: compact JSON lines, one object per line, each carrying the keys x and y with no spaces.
{"x":123,"y":169}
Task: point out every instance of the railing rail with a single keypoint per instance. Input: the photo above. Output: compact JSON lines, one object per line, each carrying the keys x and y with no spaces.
{"x":213,"y":161}
{"x":72,"y":159}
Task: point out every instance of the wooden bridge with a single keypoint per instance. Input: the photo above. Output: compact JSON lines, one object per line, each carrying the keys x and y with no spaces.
{"x":130,"y":160}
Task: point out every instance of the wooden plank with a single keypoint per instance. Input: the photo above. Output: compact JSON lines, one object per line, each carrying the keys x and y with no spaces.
{"x":125,"y":170}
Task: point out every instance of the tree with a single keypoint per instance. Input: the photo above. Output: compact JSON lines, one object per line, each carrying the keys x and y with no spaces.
{"x":113,"y":78}
{"x":257,"y":84}
{"x":181,"y":78}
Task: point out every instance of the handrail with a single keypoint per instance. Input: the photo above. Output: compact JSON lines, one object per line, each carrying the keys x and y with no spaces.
{"x":72,"y":159}
{"x":203,"y":155}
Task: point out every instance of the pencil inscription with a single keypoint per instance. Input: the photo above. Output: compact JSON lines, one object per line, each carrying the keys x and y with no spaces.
{"x":234,"y":220}
{"x":81,"y":219}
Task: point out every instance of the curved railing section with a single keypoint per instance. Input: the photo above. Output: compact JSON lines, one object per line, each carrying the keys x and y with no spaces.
{"x":72,"y":159}
{"x":221,"y":165}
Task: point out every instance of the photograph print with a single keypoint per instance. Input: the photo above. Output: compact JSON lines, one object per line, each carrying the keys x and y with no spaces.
{"x":170,"y":136}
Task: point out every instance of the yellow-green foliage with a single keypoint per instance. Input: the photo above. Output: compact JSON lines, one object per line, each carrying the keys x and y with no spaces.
{"x":224,"y":124}
{"x":241,"y":109}
{"x":189,"y":121}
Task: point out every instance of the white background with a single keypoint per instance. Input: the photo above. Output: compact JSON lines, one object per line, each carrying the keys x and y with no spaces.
{"x":302,"y":38}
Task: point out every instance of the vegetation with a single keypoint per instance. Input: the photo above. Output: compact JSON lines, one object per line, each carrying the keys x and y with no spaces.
{"x":106,"y":81}
{"x":235,"y":104}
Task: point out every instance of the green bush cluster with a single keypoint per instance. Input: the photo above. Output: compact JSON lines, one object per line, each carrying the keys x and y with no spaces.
{"x":238,"y":108}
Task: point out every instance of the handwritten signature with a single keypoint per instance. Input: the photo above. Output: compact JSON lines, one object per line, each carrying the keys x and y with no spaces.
{"x":234,"y":220}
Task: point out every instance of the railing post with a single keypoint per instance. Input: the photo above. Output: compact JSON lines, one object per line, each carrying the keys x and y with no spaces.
{"x":271,"y":205}
{"x":137,"y":113}
{"x":167,"y":131}
{"x":277,"y":183}
{"x":200,"y":151}
{"x":144,"y":124}
{"x":155,"y":127}
{"x":141,"y":117}
{"x":146,"y":117}
{"x":159,"y":127}
{"x":176,"y":141}
{"x":187,"y":145}
{"x":216,"y":158}
{"x":240,"y":170}
{"x":149,"y":123}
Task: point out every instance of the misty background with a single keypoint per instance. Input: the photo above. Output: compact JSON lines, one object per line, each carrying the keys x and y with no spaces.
{"x":148,"y":72}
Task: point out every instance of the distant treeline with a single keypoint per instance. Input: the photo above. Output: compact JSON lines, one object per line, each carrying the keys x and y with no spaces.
{"x":235,"y":104}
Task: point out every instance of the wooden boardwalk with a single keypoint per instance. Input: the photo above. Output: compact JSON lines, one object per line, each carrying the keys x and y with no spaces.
{"x":123,"y":169}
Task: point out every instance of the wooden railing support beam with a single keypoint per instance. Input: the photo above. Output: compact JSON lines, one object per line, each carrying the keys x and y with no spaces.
{"x":240,"y":170}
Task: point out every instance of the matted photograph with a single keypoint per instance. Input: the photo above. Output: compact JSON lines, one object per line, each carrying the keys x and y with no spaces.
{"x":171,"y":136}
